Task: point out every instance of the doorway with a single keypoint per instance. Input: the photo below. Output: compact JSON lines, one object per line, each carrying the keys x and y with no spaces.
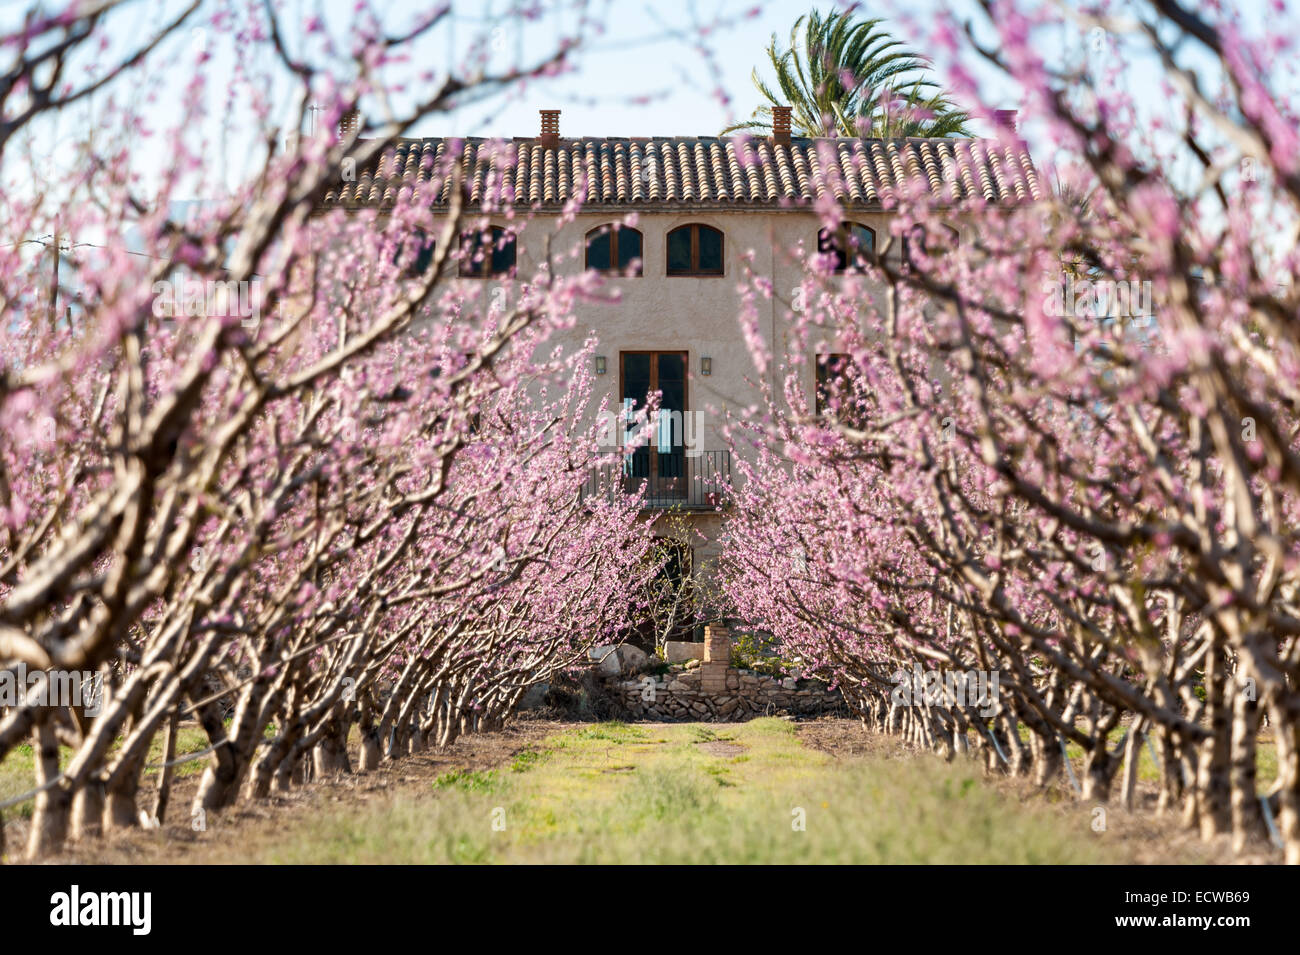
{"x":662,"y":462}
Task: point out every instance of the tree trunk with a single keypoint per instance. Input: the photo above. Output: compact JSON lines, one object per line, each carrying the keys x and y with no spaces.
{"x":1099,"y":768}
{"x":50,"y":819}
{"x":1213,"y":791}
{"x":417,"y":739}
{"x":370,"y":755}
{"x":1018,"y":758}
{"x":1285,"y":715}
{"x":221,"y":780}
{"x":1132,"y":757}
{"x":1171,"y":779}
{"x":120,"y":809}
{"x":168,"y":771}
{"x":262,"y":773}
{"x":331,"y":753}
{"x":1247,"y":819}
{"x":88,"y":810}
{"x":1047,"y":762}
{"x":399,"y":746}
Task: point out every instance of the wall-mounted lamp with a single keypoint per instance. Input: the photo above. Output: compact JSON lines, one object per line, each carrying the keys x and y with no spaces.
{"x":706,"y":365}
{"x":600,"y":364}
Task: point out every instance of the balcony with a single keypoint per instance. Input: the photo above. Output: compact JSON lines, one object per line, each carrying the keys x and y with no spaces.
{"x":668,"y":481}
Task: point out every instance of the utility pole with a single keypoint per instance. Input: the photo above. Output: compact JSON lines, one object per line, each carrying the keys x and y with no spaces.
{"x":54,"y":283}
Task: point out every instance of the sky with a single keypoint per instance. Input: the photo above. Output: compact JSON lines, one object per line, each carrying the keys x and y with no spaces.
{"x":643,"y":75}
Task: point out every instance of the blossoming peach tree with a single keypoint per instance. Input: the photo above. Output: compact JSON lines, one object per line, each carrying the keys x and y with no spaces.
{"x":256,"y":470}
{"x":1027,"y":511}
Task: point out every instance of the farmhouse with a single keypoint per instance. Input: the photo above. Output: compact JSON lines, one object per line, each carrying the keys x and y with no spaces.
{"x":673,"y":224}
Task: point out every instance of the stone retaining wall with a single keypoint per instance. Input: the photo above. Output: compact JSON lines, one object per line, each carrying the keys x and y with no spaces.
{"x":715,"y":691}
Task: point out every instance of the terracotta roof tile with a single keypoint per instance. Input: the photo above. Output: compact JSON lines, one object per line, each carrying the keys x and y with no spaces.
{"x":696,"y":171}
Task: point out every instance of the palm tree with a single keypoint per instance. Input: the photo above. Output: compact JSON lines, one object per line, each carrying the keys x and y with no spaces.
{"x":1072,"y":202}
{"x":848,"y":77}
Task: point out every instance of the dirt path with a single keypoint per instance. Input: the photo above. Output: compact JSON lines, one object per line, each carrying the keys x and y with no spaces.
{"x":846,"y":739}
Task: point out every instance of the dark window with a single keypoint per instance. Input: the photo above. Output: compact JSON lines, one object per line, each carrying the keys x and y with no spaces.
{"x":679,"y":252}
{"x":695,"y":250}
{"x":665,"y":372}
{"x":418,"y":265}
{"x":676,"y":556}
{"x":600,"y":249}
{"x":614,"y":249}
{"x":852,"y":244}
{"x":489,"y":252}
{"x":671,"y":592}
{"x":669,"y":613}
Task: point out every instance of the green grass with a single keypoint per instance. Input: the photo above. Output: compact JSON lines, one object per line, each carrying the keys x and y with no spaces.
{"x":614,"y":793}
{"x":468,"y":781}
{"x":526,"y":760}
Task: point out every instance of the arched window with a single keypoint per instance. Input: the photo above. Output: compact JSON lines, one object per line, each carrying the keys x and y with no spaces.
{"x":852,"y":244}
{"x":423,"y":256}
{"x":695,"y":249}
{"x":928,"y":242}
{"x":615,"y":249}
{"x":487,"y":253}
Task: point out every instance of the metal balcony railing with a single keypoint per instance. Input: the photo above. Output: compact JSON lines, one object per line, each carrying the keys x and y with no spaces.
{"x":670,"y":480}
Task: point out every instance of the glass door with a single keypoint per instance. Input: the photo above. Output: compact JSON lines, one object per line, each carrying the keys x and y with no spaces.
{"x":662,"y":462}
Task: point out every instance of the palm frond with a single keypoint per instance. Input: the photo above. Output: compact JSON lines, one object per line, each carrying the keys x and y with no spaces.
{"x":845,"y":75}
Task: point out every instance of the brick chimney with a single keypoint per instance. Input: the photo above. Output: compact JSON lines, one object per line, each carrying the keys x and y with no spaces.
{"x":349,"y":123}
{"x":781,"y":125}
{"x":550,"y":137}
{"x":1005,"y":119}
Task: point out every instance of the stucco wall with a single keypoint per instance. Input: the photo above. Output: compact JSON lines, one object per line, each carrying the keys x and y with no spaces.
{"x":695,"y":314}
